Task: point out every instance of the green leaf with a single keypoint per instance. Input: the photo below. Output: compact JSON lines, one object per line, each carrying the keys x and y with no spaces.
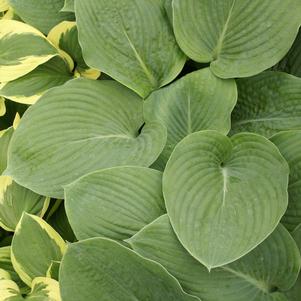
{"x":60,"y":223}
{"x":35,"y":245}
{"x":101,"y":269}
{"x":198,"y":101}
{"x":41,"y":14}
{"x":9,"y":291}
{"x":20,"y":60}
{"x":53,"y":270}
{"x":6,"y":264}
{"x":131,"y":41}
{"x":114,"y":203}
{"x":15,"y":199}
{"x":262,"y":275}
{"x":98,"y":126}
{"x":29,"y":88}
{"x":65,"y":37}
{"x":68,"y":6}
{"x":240,"y":38}
{"x":2,"y":106}
{"x":295,"y":292}
{"x":291,"y":63}
{"x":267,"y":104}
{"x":289,"y":144}
{"x":224,"y":196}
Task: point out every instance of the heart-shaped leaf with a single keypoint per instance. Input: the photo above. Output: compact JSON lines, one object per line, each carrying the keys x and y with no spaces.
{"x":267,"y":104}
{"x":35,"y":245}
{"x":101,"y":269}
{"x":240,"y":38}
{"x":131,"y":33}
{"x":21,"y":60}
{"x":14,"y":200}
{"x":262,"y":275}
{"x":224,"y":196}
{"x":198,"y":101}
{"x":289,"y":144}
{"x":100,"y":128}
{"x":29,"y":88}
{"x":41,"y":14}
{"x":114,"y":203}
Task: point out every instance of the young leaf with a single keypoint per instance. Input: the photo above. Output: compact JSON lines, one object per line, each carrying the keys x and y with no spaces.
{"x":101,"y":269}
{"x":224,"y":196}
{"x":114,"y":203}
{"x":240,"y":38}
{"x":100,"y":128}
{"x":289,"y":144}
{"x":41,"y":14}
{"x":198,"y":101}
{"x":262,"y":275}
{"x":267,"y":104}
{"x":29,"y":88}
{"x":35,"y":245}
{"x":131,"y":41}
{"x":14,"y":200}
{"x":20,"y":60}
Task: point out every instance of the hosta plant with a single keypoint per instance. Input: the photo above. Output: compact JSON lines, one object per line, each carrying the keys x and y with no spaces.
{"x":150,"y":150}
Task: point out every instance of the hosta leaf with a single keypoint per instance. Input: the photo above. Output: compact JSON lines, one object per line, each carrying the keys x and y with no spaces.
{"x":224,"y":196}
{"x":2,"y":106}
{"x":291,"y":63}
{"x":289,"y":144}
{"x":44,"y":289}
{"x":101,"y":269}
{"x":114,"y":203}
{"x":262,"y":275}
{"x":131,"y":33}
{"x":65,"y":36}
{"x":29,"y":88}
{"x":3,"y":5}
{"x":60,"y":223}
{"x":4,"y":141}
{"x":68,"y":6}
{"x":198,"y":101}
{"x":53,"y":270}
{"x":9,"y":291}
{"x":6,"y":264}
{"x":240,"y":38}
{"x":295,"y":292}
{"x":268,"y":103}
{"x":35,"y":245}
{"x":41,"y":14}
{"x":15,"y":199}
{"x":21,"y":60}
{"x":100,"y":128}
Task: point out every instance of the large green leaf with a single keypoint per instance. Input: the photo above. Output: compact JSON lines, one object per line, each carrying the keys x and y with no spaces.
{"x":224,"y":196}
{"x":35,"y":245}
{"x":101,"y":269}
{"x":289,"y":144}
{"x":29,"y":88}
{"x":240,"y":38}
{"x":291,"y":63}
{"x":14,"y":200}
{"x":20,"y":60}
{"x":114,"y":203}
{"x":198,"y":101}
{"x":68,"y":6}
{"x":130,"y":40}
{"x":41,"y":14}
{"x":268,"y":103}
{"x":80,"y":127}
{"x":262,"y":275}
{"x":295,"y":292}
